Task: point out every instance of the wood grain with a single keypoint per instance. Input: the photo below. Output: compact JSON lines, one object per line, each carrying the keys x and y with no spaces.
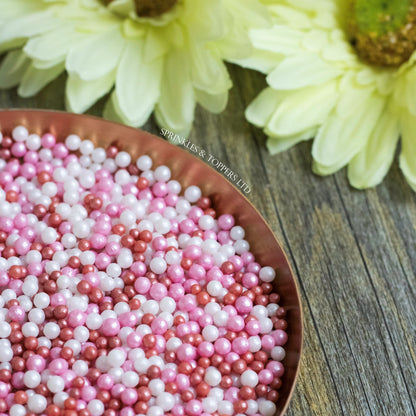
{"x":353,"y":253}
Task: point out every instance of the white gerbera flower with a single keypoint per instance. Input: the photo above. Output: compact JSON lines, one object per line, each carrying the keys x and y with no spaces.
{"x":342,"y":71}
{"x":162,"y":55}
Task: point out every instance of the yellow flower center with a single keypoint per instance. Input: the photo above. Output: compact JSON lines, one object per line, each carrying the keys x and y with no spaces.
{"x":150,"y":8}
{"x":383,"y":32}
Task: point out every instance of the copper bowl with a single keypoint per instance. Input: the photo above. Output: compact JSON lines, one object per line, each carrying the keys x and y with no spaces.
{"x":188,"y":170}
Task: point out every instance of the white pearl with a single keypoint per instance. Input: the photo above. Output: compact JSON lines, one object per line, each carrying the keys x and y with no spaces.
{"x":266,"y":325}
{"x":59,"y":175}
{"x":73,"y":142}
{"x":31,"y":379}
{"x":59,"y":398}
{"x":254,"y":343}
{"x":259,"y":311}
{"x":55,"y":384}
{"x":99,"y":155}
{"x":156,"y":386}
{"x":41,"y":300}
{"x":81,"y":334}
{"x":209,"y":404}
{"x":25,"y":303}
{"x":174,"y":187}
{"x":267,"y":408}
{"x":220,"y":318}
{"x":225,"y":407}
{"x":117,"y":374}
{"x":80,"y":367}
{"x":155,"y":411}
{"x":37,"y":403}
{"x":151,"y":306}
{"x":127,"y":218}
{"x":144,"y":162}
{"x":193,"y":193}
{"x":125,"y":258}
{"x":278,"y":353}
{"x":121,"y":307}
{"x":173,"y":344}
{"x":36,"y":316}
{"x":211,"y":308}
{"x":183,"y":206}
{"x":172,"y":257}
{"x":166,"y":401}
{"x":267,"y":274}
{"x":212,"y":377}
{"x":103,"y":363}
{"x":206,"y":222}
{"x":113,"y":270}
{"x":116,"y":357}
{"x":51,"y":330}
{"x":49,"y":235}
{"x":86,"y":147}
{"x":249,"y":378}
{"x":162,"y":174}
{"x":96,"y":407}
{"x":20,"y":133}
{"x":17,"y":410}
{"x":122,"y":177}
{"x":74,"y":345}
{"x":241,"y":246}
{"x":252,"y":408}
{"x":30,"y":329}
{"x":45,"y":155}
{"x":123,"y":159}
{"x":130,"y":379}
{"x":87,"y":179}
{"x":214,"y":287}
{"x":168,"y":304}
{"x":87,"y":257}
{"x":217,"y":393}
{"x":158,"y":265}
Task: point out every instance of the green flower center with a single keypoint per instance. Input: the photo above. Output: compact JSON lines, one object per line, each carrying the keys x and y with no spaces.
{"x":383,"y":32}
{"x":150,"y":8}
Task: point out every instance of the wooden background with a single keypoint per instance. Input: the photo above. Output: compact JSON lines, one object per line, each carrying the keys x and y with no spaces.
{"x":354,"y":254}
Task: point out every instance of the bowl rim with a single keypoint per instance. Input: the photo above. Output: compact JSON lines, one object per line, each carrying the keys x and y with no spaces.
{"x":22,"y":112}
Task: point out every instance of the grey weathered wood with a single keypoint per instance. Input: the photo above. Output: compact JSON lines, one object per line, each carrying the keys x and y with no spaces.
{"x":353,"y":252}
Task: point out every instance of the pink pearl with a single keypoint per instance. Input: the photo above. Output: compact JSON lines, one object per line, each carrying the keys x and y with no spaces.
{"x":253,"y":327}
{"x":127,"y":411}
{"x":17,"y":380}
{"x":187,"y":303}
{"x":197,"y":272}
{"x":168,"y":375}
{"x":160,"y":344}
{"x":192,"y":252}
{"x":158,"y":291}
{"x":280,"y":337}
{"x":98,"y":241}
{"x":186,"y":352}
{"x":171,"y":200}
{"x":117,"y":390}
{"x":134,"y":340}
{"x":265,"y":376}
{"x":105,"y":382}
{"x":31,"y":157}
{"x":206,"y":349}
{"x":214,"y":274}
{"x":205,"y":320}
{"x":60,"y":151}
{"x":187,"y":226}
{"x":193,"y":408}
{"x":159,"y":326}
{"x":235,"y":323}
{"x":160,"y":243}
{"x":112,"y":248}
{"x":253,"y":268}
{"x":222,"y":346}
{"x":48,"y":140}
{"x":160,"y":189}
{"x":58,"y":366}
{"x":142,"y":285}
{"x":176,"y":291}
{"x":175,"y":273}
{"x":110,"y":327}
{"x":18,"y":149}
{"x":4,"y":389}
{"x":250,"y":280}
{"x":240,"y":345}
{"x":231,"y":394}
{"x":16,"y":313}
{"x":226,"y":222}
{"x":129,"y":396}
{"x":128,"y":319}
{"x":88,"y":393}
{"x":182,"y":381}
{"x":76,"y":318}
{"x":244,"y":304}
{"x":102,"y":261}
{"x":267,"y":342}
{"x":36,"y":363}
{"x":178,"y":410}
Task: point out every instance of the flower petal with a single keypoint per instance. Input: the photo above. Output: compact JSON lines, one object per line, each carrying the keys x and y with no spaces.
{"x":14,"y":32}
{"x":339,"y":139}
{"x":176,"y":105}
{"x":12,"y":68}
{"x":137,"y":83}
{"x":280,"y":144}
{"x":35,"y":79}
{"x":97,"y":56}
{"x":263,"y":106}
{"x":407,"y":156}
{"x":369,"y":167}
{"x":81,"y":94}
{"x":301,"y":71}
{"x":208,"y":70}
{"x":53,"y":45}
{"x":303,"y":109}
{"x":215,"y":103}
{"x":278,"y":39}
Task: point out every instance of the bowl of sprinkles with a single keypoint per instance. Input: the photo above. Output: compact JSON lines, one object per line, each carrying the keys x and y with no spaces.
{"x":135,"y":279}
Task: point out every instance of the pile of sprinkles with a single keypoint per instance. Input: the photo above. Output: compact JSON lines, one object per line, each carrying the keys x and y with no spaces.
{"x":122,"y":294}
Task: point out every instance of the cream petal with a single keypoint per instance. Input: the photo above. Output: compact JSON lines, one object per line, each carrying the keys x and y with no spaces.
{"x":281,"y":144}
{"x":407,"y":159}
{"x":236,"y":44}
{"x":53,"y":45}
{"x":325,"y":170}
{"x":13,"y":68}
{"x":262,"y":61}
{"x":12,"y":8}
{"x":45,"y":64}
{"x":369,"y":167}
{"x":303,"y":109}
{"x":293,"y":17}
{"x":340,"y":139}
{"x":215,"y":103}
{"x":14,"y":33}
{"x":137,"y":83}
{"x":155,"y":46}
{"x":35,"y":79}
{"x":175,"y":109}
{"x":263,"y":106}
{"x":97,"y":56}
{"x":208,"y":71}
{"x":301,"y":71}
{"x":81,"y":94}
{"x":279,"y":39}
{"x":249,"y":13}
{"x":410,"y":91}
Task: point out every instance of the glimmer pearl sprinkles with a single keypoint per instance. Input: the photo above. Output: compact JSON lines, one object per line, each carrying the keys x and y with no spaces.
{"x":124,"y":294}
